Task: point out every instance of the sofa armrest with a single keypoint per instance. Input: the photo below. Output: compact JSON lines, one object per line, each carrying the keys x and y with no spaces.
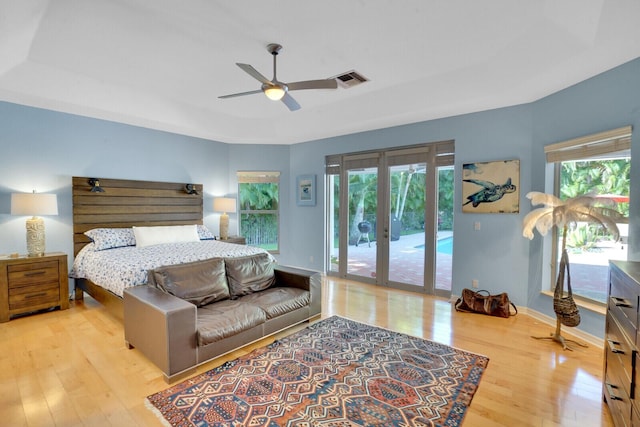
{"x":304,"y":279}
{"x":162,"y":327}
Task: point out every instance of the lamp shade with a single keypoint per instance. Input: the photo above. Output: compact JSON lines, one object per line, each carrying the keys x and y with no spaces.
{"x":224,"y":204}
{"x":34,"y":204}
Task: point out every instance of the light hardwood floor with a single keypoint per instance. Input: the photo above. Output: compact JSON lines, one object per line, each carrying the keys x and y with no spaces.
{"x":71,"y":368}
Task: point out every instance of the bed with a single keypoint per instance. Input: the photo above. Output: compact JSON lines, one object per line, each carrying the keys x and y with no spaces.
{"x":121,"y":205}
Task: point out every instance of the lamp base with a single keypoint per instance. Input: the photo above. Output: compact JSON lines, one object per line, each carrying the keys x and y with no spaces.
{"x":35,"y":237}
{"x":224,"y":226}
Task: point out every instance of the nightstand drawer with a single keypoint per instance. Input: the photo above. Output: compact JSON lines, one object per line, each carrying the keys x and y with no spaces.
{"x":37,"y":272}
{"x":34,"y":295}
{"x":237,"y":240}
{"x":32,"y":284}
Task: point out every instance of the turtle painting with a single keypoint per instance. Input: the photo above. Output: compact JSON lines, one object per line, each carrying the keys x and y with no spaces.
{"x":491,"y":187}
{"x":490,"y":192}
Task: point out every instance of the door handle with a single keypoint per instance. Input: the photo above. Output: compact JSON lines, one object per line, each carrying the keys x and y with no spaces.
{"x":34,"y":273}
{"x":41,"y":294}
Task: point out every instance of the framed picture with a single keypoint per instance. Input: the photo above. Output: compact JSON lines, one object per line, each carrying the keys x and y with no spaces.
{"x":306,"y":190}
{"x":491,"y":187}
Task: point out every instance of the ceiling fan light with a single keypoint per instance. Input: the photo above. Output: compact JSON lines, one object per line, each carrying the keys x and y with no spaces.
{"x":275,"y":93}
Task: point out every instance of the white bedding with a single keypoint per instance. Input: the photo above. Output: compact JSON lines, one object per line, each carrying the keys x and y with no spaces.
{"x":119,"y":268}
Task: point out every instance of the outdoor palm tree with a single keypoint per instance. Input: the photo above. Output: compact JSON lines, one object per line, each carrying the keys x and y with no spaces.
{"x":562,"y":214}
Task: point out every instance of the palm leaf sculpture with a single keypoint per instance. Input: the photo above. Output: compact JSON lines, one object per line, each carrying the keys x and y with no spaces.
{"x":561,"y":214}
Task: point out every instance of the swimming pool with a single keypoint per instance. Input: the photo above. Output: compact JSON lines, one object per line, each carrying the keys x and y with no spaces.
{"x":444,"y":246}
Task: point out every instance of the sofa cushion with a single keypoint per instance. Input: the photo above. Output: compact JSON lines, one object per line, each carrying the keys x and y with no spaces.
{"x":199,"y":282}
{"x":278,"y":301}
{"x":226,"y":318}
{"x":249,"y":274}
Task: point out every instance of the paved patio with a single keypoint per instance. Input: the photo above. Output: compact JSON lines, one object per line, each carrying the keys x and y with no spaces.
{"x":406,"y":261}
{"x":589,"y":271}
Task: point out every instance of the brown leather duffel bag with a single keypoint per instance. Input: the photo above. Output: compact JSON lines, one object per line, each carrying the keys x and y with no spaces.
{"x":484,"y":303}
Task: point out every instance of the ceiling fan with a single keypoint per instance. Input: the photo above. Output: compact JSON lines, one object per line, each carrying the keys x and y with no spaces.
{"x":279,"y":91}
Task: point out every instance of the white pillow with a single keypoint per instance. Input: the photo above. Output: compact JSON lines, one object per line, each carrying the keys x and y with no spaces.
{"x":107,"y":238}
{"x":147,"y":236}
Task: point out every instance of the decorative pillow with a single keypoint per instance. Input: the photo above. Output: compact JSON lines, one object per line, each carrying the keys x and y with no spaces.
{"x":249,"y":274}
{"x":204,"y":233}
{"x":147,"y":236}
{"x":108,"y":238}
{"x":199,"y":282}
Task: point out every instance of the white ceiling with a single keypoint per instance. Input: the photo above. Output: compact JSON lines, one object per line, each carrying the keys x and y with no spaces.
{"x":162,"y":64}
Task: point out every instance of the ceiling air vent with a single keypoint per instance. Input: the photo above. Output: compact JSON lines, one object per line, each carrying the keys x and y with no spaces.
{"x":350,"y":79}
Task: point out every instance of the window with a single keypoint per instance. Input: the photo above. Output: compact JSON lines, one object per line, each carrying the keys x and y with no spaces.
{"x":597,"y":164}
{"x":259,"y":196}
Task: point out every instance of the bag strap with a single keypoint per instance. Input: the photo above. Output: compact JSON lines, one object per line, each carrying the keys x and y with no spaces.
{"x":568,"y":277}
{"x":564,"y":265}
{"x":514,"y":307}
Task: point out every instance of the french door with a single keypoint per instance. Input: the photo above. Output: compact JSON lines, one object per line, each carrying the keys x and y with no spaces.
{"x":383,"y":218}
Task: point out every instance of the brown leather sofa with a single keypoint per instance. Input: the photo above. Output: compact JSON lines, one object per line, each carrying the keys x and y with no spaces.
{"x":191,"y":313}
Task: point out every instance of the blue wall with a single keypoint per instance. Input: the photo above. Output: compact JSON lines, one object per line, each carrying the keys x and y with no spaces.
{"x":608,"y":101}
{"x":42,"y":150}
{"x":497,"y":254}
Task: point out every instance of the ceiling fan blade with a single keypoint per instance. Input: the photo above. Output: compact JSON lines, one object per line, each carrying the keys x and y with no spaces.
{"x":253,"y":73}
{"x":272,"y":87}
{"x":313,"y":84}
{"x":291,"y":103}
{"x":233,"y":95}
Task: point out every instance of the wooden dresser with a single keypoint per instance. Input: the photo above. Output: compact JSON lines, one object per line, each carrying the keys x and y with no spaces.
{"x":29,"y":284}
{"x":621,"y":364}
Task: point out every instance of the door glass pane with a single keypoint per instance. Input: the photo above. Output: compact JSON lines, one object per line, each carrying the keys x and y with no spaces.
{"x":363,"y":205}
{"x":334,"y":222}
{"x":444,"y":248}
{"x":589,"y":246}
{"x":407,"y":190}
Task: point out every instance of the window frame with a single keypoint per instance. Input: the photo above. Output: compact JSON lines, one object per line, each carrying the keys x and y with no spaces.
{"x":260,"y":177}
{"x":602,"y":145}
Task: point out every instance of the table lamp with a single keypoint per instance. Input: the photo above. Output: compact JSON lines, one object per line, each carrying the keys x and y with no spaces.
{"x":34,"y":204}
{"x":224,"y":205}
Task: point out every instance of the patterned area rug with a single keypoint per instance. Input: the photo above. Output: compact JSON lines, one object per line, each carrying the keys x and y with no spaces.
{"x":336,"y":373}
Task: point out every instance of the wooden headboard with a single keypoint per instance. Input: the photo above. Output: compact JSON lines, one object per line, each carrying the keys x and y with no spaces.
{"x":125,"y":203}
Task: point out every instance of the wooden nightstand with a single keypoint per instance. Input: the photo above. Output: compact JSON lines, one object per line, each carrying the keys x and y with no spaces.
{"x":238,"y":240}
{"x":33,"y":283}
